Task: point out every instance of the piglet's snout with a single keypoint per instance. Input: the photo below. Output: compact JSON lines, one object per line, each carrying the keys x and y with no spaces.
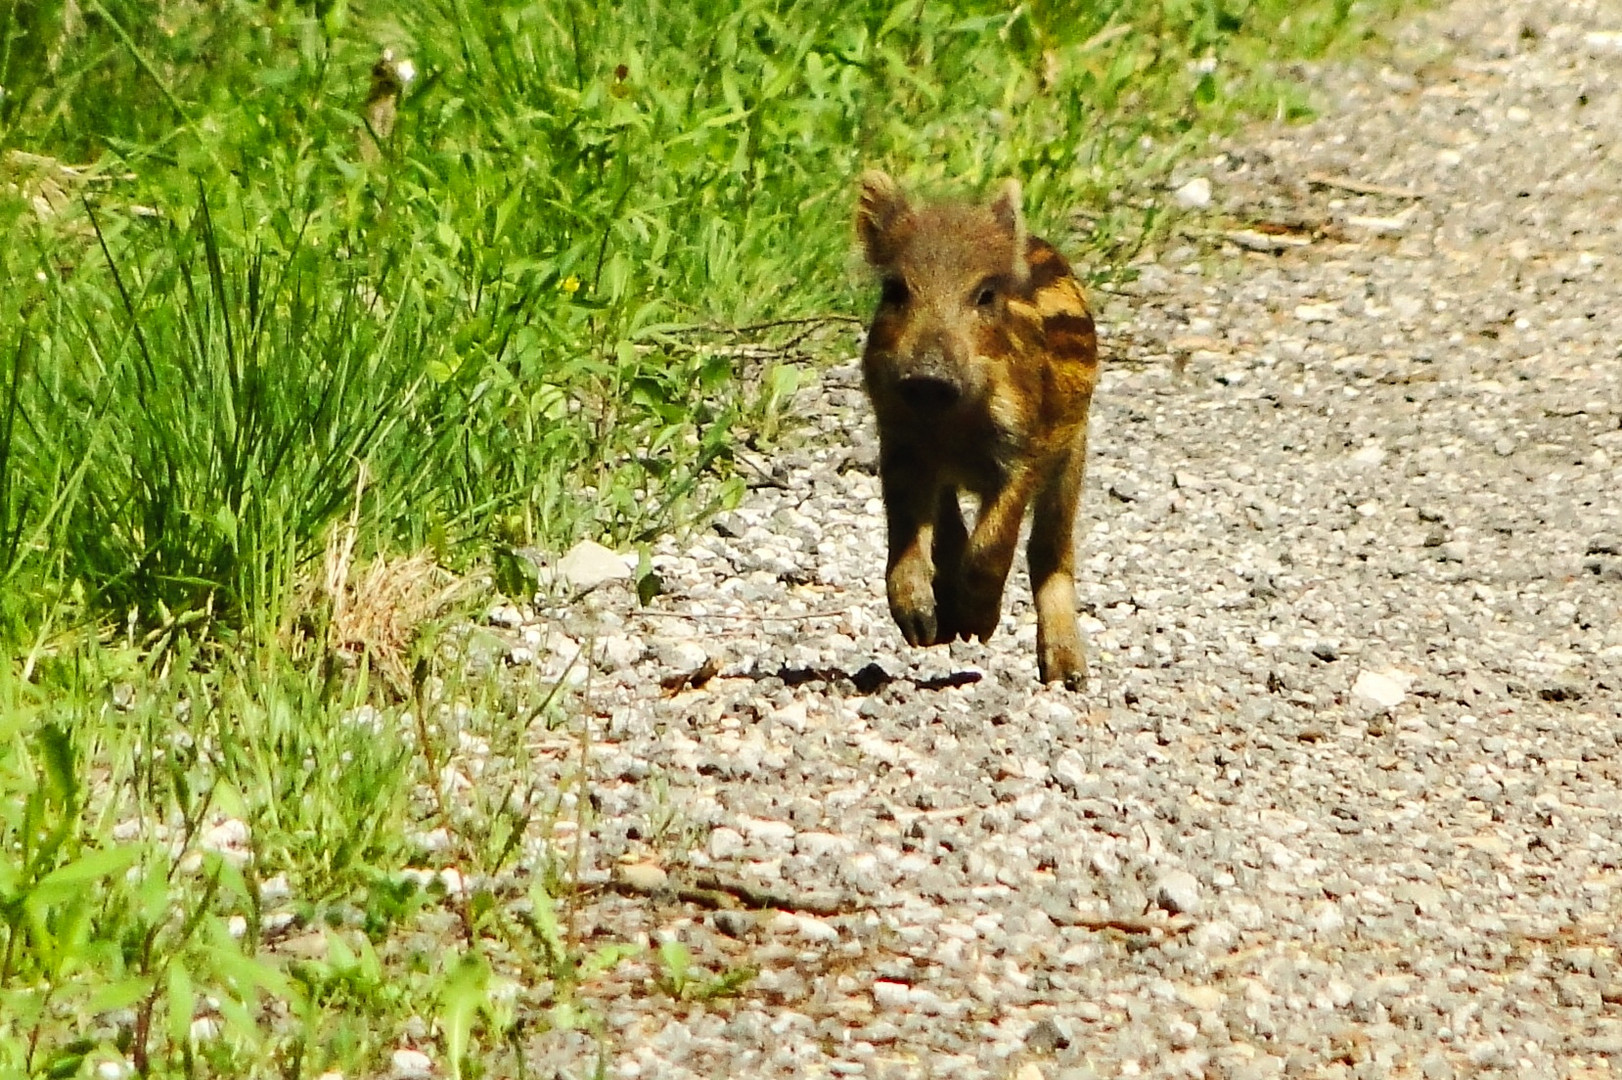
{"x":929,"y":381}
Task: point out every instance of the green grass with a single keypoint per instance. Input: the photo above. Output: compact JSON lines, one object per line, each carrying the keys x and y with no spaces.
{"x":491,"y":320}
{"x":239,"y":346}
{"x":209,"y":871}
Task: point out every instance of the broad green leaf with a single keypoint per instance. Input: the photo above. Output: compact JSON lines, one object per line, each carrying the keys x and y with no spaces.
{"x":121,"y":994}
{"x":67,"y":881}
{"x":464,"y":995}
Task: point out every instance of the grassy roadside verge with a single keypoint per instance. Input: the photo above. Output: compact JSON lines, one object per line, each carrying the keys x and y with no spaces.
{"x":254,"y":346}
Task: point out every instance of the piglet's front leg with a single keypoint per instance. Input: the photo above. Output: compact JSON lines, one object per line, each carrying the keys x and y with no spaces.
{"x":909,"y":580}
{"x":989,"y":555}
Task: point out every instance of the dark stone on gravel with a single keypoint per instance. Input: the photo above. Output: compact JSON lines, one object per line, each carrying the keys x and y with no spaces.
{"x":1047,"y":1036}
{"x":733,"y":923}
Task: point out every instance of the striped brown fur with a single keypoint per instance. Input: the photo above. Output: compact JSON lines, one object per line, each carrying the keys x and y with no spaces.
{"x":980,"y":363}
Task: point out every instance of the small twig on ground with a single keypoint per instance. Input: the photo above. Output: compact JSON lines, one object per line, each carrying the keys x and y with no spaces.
{"x":1128,"y":925}
{"x":1360,"y":187}
{"x":767,"y":477}
{"x":905,"y":816}
{"x":711,"y":890}
{"x":740,"y":616}
{"x":753,"y":617}
{"x":761,"y":899}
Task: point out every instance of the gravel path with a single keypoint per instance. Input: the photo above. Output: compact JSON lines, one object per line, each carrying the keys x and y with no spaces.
{"x":1340,"y":800}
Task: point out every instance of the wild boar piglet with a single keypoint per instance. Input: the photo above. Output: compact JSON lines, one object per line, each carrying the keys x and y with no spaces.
{"x":980,"y":363}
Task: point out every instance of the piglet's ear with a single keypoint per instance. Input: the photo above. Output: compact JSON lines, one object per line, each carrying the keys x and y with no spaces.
{"x":1007,"y":212}
{"x":882,"y":216}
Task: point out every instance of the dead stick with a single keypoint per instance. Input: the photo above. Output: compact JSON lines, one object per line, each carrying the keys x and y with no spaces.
{"x":1360,"y":187}
{"x":1128,"y":925}
{"x":709,"y":890}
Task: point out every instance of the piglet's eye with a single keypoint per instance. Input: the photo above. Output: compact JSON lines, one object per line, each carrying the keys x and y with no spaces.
{"x":894,"y":291}
{"x":987,"y":297}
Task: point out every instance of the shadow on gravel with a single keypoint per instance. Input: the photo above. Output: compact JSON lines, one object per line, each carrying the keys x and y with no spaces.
{"x":865,"y":681}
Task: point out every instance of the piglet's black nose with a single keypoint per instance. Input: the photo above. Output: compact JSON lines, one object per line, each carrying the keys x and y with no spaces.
{"x":927,"y":394}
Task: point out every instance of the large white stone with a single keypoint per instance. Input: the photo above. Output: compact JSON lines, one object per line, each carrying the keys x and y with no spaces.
{"x":1177,"y":892}
{"x":1379,"y":689}
{"x":589,"y":564}
{"x":1194,"y":195}
{"x":409,"y":1064}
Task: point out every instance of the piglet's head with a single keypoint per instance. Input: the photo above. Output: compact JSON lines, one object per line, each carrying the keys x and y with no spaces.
{"x":946,"y":272}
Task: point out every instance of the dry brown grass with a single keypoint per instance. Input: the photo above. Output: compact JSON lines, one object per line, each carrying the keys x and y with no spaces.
{"x":374,"y":612}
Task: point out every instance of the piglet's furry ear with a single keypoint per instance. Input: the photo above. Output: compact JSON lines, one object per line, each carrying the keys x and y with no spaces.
{"x":882,"y":216}
{"x":1007,"y":211}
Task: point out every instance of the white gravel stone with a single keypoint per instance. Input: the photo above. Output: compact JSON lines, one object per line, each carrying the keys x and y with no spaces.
{"x":1317,"y":313}
{"x":1195,"y":194}
{"x":891,"y":995}
{"x":1070,"y":771}
{"x":230,"y":839}
{"x":589,"y":564}
{"x":1604,"y":42}
{"x":409,"y":1064}
{"x":1202,"y":998}
{"x":767,"y":833}
{"x":820,"y":845}
{"x":1379,"y":689}
{"x":619,"y":651}
{"x":1177,"y":892}
{"x":685,"y":656}
{"x":506,"y":616}
{"x":725,"y":843}
{"x":809,"y":928}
